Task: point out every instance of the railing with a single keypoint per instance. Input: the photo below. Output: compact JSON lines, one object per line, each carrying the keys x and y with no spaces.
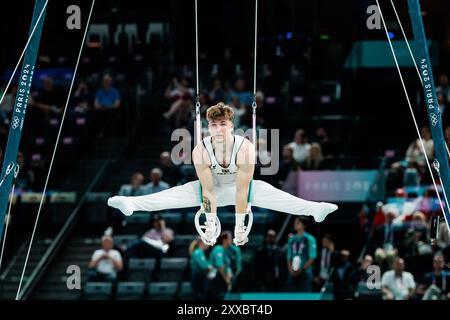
{"x":62,"y":236}
{"x":369,"y":200}
{"x":59,"y":239}
{"x":8,"y":269}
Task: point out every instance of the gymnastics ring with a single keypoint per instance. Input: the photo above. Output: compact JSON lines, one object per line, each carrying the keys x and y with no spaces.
{"x":200,"y":228}
{"x":248,"y":228}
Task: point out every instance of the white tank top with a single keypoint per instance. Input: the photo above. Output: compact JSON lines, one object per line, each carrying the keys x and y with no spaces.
{"x":223,"y":175}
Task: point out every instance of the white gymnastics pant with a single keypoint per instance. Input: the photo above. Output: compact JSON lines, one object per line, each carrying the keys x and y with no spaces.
{"x":187,"y":195}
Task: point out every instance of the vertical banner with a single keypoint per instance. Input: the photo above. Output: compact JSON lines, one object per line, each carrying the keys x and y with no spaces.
{"x":434,"y":114}
{"x":20,"y":107}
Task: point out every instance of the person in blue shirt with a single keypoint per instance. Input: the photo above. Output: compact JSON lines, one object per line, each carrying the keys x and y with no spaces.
{"x":200,"y":268}
{"x":106,"y":106}
{"x":435,"y":285}
{"x":221,"y":261}
{"x":135,"y":188}
{"x":155,"y":184}
{"x":245,"y":97}
{"x":107,"y":97}
{"x":301,"y":253}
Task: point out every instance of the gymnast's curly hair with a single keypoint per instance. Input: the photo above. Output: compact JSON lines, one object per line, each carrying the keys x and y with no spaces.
{"x":219,"y":112}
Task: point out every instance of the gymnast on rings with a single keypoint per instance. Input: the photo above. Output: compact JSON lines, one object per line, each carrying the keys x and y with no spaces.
{"x":224,"y":163}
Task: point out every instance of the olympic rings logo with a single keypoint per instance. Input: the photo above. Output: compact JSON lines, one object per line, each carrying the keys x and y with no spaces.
{"x":433,"y":118}
{"x":15,"y":122}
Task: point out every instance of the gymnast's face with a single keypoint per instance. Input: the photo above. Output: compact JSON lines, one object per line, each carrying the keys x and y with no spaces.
{"x":220,"y":129}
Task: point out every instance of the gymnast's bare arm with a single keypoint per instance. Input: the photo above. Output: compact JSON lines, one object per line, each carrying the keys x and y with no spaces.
{"x":246,"y":166}
{"x":202,"y":165}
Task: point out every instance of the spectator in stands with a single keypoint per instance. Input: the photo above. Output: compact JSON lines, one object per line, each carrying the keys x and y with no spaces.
{"x":267,"y":264}
{"x":235,"y":255}
{"x":7,"y":105}
{"x":447,"y":136}
{"x":435,"y":285}
{"x":428,"y":203}
{"x":264,"y":155}
{"x":443,"y":88}
{"x":239,"y":112}
{"x":179,"y":90}
{"x":181,"y":106}
{"x":327,"y":261}
{"x":287,"y":165}
{"x":398,"y":284}
{"x":135,"y":187}
{"x":6,"y":108}
{"x":44,"y":103}
{"x":300,"y":146}
{"x":418,"y":224}
{"x":49,"y":99}
{"x":222,"y":282}
{"x":444,"y":236}
{"x":154,"y":243}
{"x":414,"y":153}
{"x":155,"y":184}
{"x":268,"y":115}
{"x":428,"y":141}
{"x":442,"y":105}
{"x":106,"y":104}
{"x":27,"y":178}
{"x":342,"y":286}
{"x":201,"y":269}
{"x":385,"y":240}
{"x":217,"y":93}
{"x":105,"y":262}
{"x":187,"y":169}
{"x":245,"y":97}
{"x":181,"y":110}
{"x":81,"y":98}
{"x":263,"y":161}
{"x":203,"y":99}
{"x":416,"y":248}
{"x":171,"y":173}
{"x":301,"y":253}
{"x":107,"y":97}
{"x":328,"y":148}
{"x":361,"y":274}
{"x":315,"y":159}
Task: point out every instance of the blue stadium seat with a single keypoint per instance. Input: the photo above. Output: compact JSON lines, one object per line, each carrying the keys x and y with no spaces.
{"x":97,"y":290}
{"x":364,"y":293}
{"x":186,"y":291}
{"x":162,"y":290}
{"x":140,"y":269}
{"x":130,"y":290}
{"x":172,"y":269}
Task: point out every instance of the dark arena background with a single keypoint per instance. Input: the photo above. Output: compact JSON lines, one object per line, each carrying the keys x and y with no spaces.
{"x":325,"y":79}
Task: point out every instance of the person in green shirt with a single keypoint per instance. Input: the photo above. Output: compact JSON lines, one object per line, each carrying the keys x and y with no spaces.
{"x":200,"y":267}
{"x":234,"y":252}
{"x":301,"y":253}
{"x":221,"y":261}
{"x":235,"y":255}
